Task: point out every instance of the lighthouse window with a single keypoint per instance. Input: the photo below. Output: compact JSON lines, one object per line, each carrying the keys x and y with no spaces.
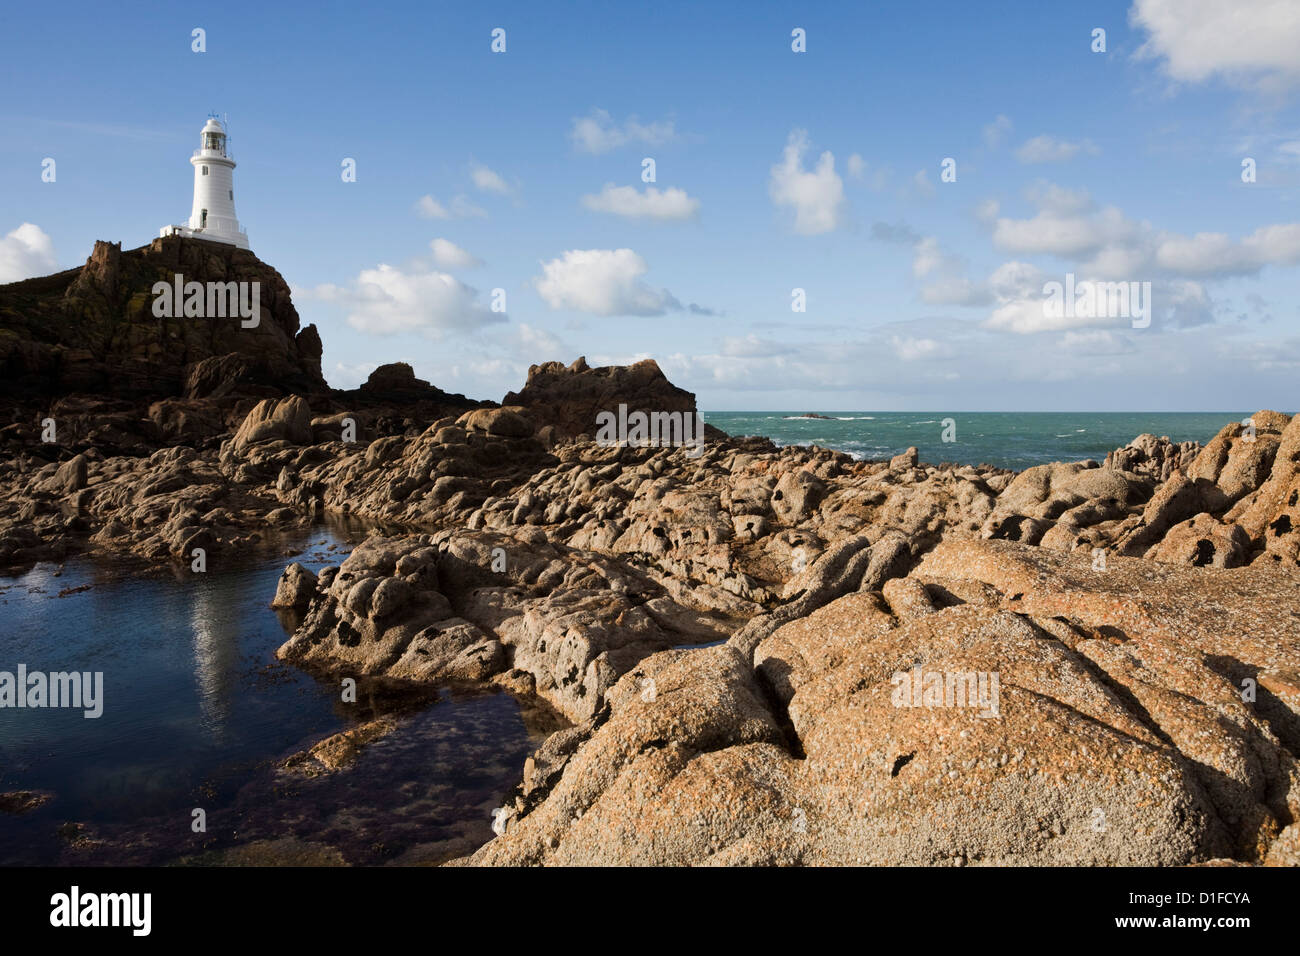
{"x":203,"y":219}
{"x":205,"y":170}
{"x":232,"y":195}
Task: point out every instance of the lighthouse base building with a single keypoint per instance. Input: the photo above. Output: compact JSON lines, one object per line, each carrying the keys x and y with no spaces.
{"x":213,"y":214}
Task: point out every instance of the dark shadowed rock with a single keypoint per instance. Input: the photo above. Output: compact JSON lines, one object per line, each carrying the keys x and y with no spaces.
{"x":570,"y":397}
{"x":93,"y":329}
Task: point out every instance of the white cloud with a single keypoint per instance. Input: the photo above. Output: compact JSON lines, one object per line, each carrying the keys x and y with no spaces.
{"x":945,"y":284}
{"x":488,"y":181}
{"x":1213,"y":253}
{"x":451,"y":256}
{"x":911,"y":349}
{"x":602,"y":282}
{"x":538,"y":345}
{"x":926,"y":257}
{"x":1049,"y":149}
{"x":598,"y":133}
{"x":430,"y":208}
{"x":347,"y":377}
{"x":817,"y":196}
{"x":671,"y":204}
{"x":1249,"y":43}
{"x":1022,"y":300}
{"x":1022,"y":303}
{"x":1066,"y":224}
{"x":387,"y":300}
{"x":461,"y":208}
{"x":995,"y":131}
{"x":1059,"y":235}
{"x":857,"y":166}
{"x":1106,"y":243}
{"x":26,"y":252}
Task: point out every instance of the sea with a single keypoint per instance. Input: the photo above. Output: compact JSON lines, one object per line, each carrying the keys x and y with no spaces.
{"x":1015,"y":440}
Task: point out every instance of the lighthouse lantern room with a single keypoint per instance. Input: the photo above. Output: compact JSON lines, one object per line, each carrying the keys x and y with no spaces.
{"x":213,"y":214}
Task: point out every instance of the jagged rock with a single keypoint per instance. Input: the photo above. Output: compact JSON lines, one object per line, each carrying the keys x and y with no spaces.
{"x":1285,"y":850}
{"x":908,"y":459}
{"x":1087,"y":748}
{"x":70,"y":476}
{"x":93,"y":330}
{"x":570,"y":397}
{"x":215,"y":377}
{"x":184,"y":422}
{"x":1177,"y":500}
{"x":1153,"y":457}
{"x":688,"y":768}
{"x":24,"y":801}
{"x":339,"y":751}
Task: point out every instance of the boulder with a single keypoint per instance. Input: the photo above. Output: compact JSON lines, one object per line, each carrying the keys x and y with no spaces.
{"x":500,"y":422}
{"x":908,"y":459}
{"x":296,"y":588}
{"x":285,"y":419}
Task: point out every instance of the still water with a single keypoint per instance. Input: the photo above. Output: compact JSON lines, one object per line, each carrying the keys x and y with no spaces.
{"x":198,"y":714}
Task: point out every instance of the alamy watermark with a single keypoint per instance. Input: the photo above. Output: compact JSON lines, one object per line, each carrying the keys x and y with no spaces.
{"x":35,"y":689}
{"x":918,"y":688}
{"x":651,"y":429}
{"x":211,"y":300}
{"x":74,"y":909}
{"x":1096,"y":300}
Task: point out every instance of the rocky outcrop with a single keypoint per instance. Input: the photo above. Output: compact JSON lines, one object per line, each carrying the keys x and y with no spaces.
{"x":1153,"y":457}
{"x":1058,"y":715}
{"x":92,"y":330}
{"x":283,"y":420}
{"x":570,"y":397}
{"x":472,"y":605}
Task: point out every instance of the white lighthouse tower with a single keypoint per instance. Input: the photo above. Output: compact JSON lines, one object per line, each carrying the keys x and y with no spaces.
{"x":213,"y":215}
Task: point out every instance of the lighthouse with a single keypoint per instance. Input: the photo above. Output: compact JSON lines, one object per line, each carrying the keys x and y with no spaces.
{"x":213,"y":214}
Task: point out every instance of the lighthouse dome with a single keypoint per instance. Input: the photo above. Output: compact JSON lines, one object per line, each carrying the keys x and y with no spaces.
{"x":212,"y":137}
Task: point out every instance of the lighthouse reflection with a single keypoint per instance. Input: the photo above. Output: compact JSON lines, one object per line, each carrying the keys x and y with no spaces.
{"x":214,"y":616}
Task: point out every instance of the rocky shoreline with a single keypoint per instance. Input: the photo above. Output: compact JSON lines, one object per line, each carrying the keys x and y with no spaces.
{"x":724,"y":634}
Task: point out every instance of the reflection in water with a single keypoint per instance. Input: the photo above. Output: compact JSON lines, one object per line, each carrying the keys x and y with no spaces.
{"x":216,"y":651}
{"x":198,"y":713}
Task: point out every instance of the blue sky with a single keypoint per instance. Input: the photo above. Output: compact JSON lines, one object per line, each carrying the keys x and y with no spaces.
{"x":775,"y":170}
